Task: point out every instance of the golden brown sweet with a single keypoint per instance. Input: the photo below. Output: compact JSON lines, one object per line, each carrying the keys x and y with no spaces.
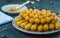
{"x":48,"y":11}
{"x":22,"y":25}
{"x":56,"y":18}
{"x":21,"y":14}
{"x":43,"y":11}
{"x":40,"y":28}
{"x":18,"y":23}
{"x":57,"y":26}
{"x":28,"y":26}
{"x":45,"y":27}
{"x":51,"y":26}
{"x":51,"y":18}
{"x":40,"y":17}
{"x":53,"y":14}
{"x":27,"y":18}
{"x":37,"y":21}
{"x":17,"y":19}
{"x":25,"y":11}
{"x":34,"y":27}
{"x":31,"y":10}
{"x":31,"y":15}
{"x":43,"y":21}
{"x":35,"y":11}
{"x":47,"y":19}
{"x":35,"y":16}
{"x":31,"y":20}
{"x":24,"y":15}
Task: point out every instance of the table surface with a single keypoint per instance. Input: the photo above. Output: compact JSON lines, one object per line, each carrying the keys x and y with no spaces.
{"x":44,"y":4}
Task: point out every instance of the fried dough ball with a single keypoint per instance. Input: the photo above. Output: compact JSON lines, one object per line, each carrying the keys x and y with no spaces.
{"x":40,"y":17}
{"x":21,"y":18}
{"x":56,"y":18}
{"x":53,"y":14}
{"x":21,"y":14}
{"x":43,"y":21}
{"x":37,"y":21}
{"x":27,"y":12}
{"x":51,"y":26}
{"x":48,"y":11}
{"x":40,"y":28}
{"x":48,"y":14}
{"x":28,"y":26}
{"x":31,"y":20}
{"x":57,"y":26}
{"x":35,"y":11}
{"x":44,"y":16}
{"x":25,"y":15}
{"x":38,"y":13}
{"x":31,"y":15}
{"x":51,"y":18}
{"x":24,"y":12}
{"x":35,"y":16}
{"x":22,"y":25}
{"x":27,"y":18}
{"x":31,"y":10}
{"x":45,"y":27}
{"x":19,"y":22}
{"x":43,"y":11}
{"x":47,"y":19}
{"x":16,"y":20}
{"x":34,"y":27}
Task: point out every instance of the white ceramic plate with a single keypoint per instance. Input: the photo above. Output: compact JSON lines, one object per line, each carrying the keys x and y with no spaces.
{"x":6,"y":7}
{"x":31,"y":32}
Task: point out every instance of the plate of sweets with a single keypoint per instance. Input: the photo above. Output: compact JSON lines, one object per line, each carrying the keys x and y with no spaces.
{"x":34,"y":21}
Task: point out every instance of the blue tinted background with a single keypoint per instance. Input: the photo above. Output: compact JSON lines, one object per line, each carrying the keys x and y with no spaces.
{"x":44,"y":4}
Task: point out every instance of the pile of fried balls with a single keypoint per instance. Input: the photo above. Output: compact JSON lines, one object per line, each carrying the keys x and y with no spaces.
{"x":37,"y":20}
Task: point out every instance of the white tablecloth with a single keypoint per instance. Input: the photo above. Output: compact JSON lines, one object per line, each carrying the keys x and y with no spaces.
{"x":4,"y":18}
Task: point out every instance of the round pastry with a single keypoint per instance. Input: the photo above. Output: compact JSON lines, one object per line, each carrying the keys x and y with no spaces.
{"x":51,"y":26}
{"x":37,"y":21}
{"x":28,"y":26}
{"x":53,"y":14}
{"x":27,"y":18}
{"x":22,"y":25}
{"x":34,"y":27}
{"x":40,"y":28}
{"x":31,"y":15}
{"x":47,"y":19}
{"x":57,"y":26}
{"x":43,"y":21}
{"x":31,"y":20}
{"x":31,"y":10}
{"x":45,"y":27}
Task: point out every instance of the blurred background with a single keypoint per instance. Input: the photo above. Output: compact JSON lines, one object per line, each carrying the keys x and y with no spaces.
{"x":53,"y":5}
